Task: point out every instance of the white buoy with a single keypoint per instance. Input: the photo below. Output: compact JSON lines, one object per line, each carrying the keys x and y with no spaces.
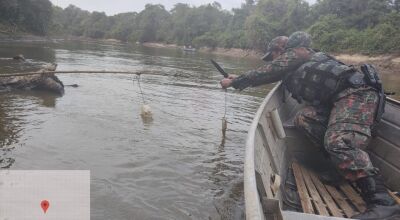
{"x":146,"y":112}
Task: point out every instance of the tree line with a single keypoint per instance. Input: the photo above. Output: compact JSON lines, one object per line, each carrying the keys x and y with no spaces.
{"x":33,"y":16}
{"x":367,"y":26}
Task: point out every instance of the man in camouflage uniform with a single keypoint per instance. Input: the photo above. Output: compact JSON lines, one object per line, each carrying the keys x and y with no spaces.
{"x":340,"y":118}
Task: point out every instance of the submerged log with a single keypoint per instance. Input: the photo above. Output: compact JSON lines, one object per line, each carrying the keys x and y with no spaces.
{"x":45,"y":82}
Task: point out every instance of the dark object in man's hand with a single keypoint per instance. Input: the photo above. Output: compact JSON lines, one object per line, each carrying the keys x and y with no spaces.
{"x":219,"y":68}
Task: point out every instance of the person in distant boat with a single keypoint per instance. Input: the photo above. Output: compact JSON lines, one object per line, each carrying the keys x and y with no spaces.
{"x":343,"y":104}
{"x":19,"y":57}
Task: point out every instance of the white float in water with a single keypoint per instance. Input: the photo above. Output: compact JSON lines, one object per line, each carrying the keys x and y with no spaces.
{"x":146,"y":112}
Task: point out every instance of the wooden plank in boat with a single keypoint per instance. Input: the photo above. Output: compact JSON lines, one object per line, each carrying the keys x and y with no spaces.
{"x":334,"y":209}
{"x":316,"y":198}
{"x":341,"y":201}
{"x":353,"y":196}
{"x":395,"y":197}
{"x":301,"y":188}
{"x":387,"y":150}
{"x":262,"y":187}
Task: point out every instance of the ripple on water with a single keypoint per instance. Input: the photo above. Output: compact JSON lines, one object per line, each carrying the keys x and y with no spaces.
{"x":172,"y":168}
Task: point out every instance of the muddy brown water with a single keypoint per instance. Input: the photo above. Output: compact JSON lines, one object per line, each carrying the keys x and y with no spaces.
{"x":170,"y":168}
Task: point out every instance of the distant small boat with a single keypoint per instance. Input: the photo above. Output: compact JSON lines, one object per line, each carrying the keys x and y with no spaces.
{"x":189,"y":49}
{"x":279,"y":180}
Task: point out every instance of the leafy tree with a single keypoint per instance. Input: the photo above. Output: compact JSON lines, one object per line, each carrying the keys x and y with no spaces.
{"x":356,"y":13}
{"x":276,"y":17}
{"x":367,"y":26}
{"x":396,"y":5}
{"x":68,"y":21}
{"x":35,"y":15}
{"x":150,"y":21}
{"x":250,"y":2}
{"x":97,"y":24}
{"x":181,"y":27}
{"x":9,"y":11}
{"x":123,"y":26}
{"x":31,"y":15}
{"x":208,"y":39}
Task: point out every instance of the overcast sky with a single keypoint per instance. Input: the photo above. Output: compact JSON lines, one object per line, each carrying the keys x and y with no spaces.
{"x":111,"y":7}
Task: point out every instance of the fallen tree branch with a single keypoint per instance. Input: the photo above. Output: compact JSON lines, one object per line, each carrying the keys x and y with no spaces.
{"x":38,"y":81}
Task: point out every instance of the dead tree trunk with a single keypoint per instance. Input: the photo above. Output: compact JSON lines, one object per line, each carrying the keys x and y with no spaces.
{"x":45,"y":82}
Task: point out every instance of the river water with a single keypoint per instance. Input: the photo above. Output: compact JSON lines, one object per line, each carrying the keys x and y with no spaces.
{"x":170,"y":168}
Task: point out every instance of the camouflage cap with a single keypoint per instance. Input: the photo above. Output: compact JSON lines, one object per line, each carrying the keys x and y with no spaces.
{"x":276,"y":44}
{"x":298,"y":39}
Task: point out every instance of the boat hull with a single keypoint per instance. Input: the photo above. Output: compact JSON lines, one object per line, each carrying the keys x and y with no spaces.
{"x":269,"y":155}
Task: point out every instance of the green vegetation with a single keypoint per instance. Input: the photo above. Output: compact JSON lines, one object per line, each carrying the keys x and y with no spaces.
{"x":26,"y":15}
{"x":366,"y":26}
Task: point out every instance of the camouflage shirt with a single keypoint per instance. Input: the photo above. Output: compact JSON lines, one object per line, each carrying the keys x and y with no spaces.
{"x":274,"y":70}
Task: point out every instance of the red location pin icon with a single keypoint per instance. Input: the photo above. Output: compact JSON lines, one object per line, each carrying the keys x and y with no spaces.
{"x":45,"y":205}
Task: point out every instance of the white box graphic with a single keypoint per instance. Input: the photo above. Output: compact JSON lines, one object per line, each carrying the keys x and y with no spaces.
{"x":22,"y":193}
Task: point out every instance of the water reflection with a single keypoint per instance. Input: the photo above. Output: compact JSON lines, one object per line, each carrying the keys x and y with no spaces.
{"x":9,"y":134}
{"x":14,"y":108}
{"x":147,"y":121}
{"x":9,"y":129}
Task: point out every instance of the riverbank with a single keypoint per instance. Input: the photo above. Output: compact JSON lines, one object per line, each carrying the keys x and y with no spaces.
{"x":7,"y":37}
{"x":388,"y":64}
{"x":26,"y":37}
{"x":232,"y":52}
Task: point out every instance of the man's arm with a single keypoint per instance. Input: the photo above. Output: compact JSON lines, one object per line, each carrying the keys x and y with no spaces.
{"x":275,"y":70}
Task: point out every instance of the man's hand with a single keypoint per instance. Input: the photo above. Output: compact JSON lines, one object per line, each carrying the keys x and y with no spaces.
{"x":227,"y":82}
{"x":231,"y":76}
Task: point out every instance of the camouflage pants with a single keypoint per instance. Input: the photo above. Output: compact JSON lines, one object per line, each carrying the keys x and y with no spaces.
{"x":344,"y":130}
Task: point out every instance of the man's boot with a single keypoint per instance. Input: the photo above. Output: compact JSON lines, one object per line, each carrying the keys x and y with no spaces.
{"x":380,"y":204}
